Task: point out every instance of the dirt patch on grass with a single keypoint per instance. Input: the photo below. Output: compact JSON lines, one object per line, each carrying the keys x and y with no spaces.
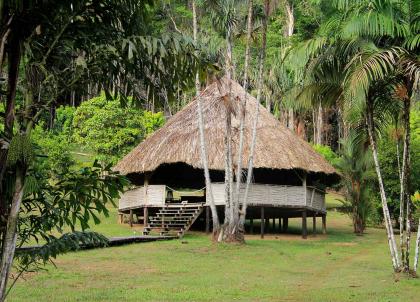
{"x":287,"y":237}
{"x":344,"y":243}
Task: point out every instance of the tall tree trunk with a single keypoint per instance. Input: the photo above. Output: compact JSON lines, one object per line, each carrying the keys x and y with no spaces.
{"x":404,"y":194}
{"x":257,"y":112}
{"x":225,"y":232}
{"x":9,"y":244}
{"x":319,"y":125}
{"x":242,"y":113}
{"x":388,"y":224}
{"x":203,"y":148}
{"x":416,"y":255}
{"x":288,"y":32}
{"x":14,"y":57}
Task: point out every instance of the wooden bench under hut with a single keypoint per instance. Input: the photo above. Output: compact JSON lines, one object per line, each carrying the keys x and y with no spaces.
{"x":289,"y":178}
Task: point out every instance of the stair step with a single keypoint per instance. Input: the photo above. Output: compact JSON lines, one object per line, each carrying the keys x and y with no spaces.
{"x":172,"y":219}
{"x":179,"y":211}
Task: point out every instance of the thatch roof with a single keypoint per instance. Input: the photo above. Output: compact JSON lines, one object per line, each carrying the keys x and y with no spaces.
{"x":178,"y":140}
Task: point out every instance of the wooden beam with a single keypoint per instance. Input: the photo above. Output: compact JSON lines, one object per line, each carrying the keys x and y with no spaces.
{"x":304,"y":227}
{"x":274,"y":224}
{"x":131,"y":218}
{"x":285,"y":224}
{"x":324,"y":224}
{"x":304,"y":189}
{"x":207,"y":220}
{"x":145,"y":216}
{"x":267,"y":224}
{"x":146,"y":187}
{"x":262,"y":223}
{"x":251,"y":224}
{"x":279,"y":224}
{"x":314,"y":224}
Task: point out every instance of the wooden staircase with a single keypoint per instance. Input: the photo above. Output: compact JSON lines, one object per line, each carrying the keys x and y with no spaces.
{"x":174,"y":218}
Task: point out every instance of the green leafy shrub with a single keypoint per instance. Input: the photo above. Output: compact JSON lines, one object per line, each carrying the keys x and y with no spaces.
{"x":327,"y":153}
{"x":63,"y":124}
{"x":54,"y":151}
{"x":109,"y":130}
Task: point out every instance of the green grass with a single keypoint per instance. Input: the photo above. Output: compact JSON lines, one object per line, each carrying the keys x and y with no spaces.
{"x":335,"y":267}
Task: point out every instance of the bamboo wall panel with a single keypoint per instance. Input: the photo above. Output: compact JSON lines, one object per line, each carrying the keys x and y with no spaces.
{"x":131,"y":199}
{"x":135,"y":198}
{"x":274,"y":195}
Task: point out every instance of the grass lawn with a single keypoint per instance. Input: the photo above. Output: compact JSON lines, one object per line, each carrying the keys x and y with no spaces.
{"x":335,"y":267}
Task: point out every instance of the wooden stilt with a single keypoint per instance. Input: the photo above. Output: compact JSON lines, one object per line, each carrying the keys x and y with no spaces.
{"x":280,"y":230}
{"x":314,"y":224}
{"x":304,"y":227}
{"x":285,"y":224}
{"x":207,"y":220}
{"x":274,"y":224}
{"x":262,"y":223}
{"x":251,"y":226}
{"x":324,"y":224}
{"x":267,"y":224}
{"x":145,"y":216}
{"x":131,"y":218}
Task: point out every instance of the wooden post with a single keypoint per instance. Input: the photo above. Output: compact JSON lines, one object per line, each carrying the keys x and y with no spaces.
{"x":146,"y":186}
{"x":145,"y":216}
{"x":279,"y":224}
{"x":304,"y":228}
{"x":207,"y":220}
{"x":314,"y":224}
{"x":324,"y":224}
{"x":267,"y":224}
{"x":120,"y":218}
{"x":251,"y":222}
{"x":285,"y":224}
{"x":131,"y":218}
{"x":262,"y":223}
{"x":304,"y":188}
{"x":274,"y":224}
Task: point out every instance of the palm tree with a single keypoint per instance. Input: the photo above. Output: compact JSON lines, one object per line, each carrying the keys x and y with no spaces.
{"x":356,"y":168}
{"x":371,"y":45}
{"x":257,"y":111}
{"x":215,"y":217}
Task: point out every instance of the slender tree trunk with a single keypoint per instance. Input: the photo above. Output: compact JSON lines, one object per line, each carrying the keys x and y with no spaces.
{"x":9,"y":244}
{"x":14,"y":56}
{"x":401,"y":217}
{"x":388,"y":224}
{"x":404,"y":194}
{"x":405,"y":179}
{"x":242,"y":113}
{"x":291,"y":120}
{"x":203,"y":148}
{"x":416,"y":255}
{"x":224,"y":234}
{"x":257,"y":112}
{"x":320,"y":125}
{"x":290,"y":26}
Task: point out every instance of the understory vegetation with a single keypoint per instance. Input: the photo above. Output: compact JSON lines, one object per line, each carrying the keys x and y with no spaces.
{"x":83,"y":82}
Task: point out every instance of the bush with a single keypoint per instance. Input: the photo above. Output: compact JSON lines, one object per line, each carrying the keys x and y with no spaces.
{"x":103,"y":126}
{"x":327,"y":153}
{"x":54,"y":151}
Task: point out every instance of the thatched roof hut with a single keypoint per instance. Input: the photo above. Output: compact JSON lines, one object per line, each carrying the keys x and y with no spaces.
{"x":178,"y":140}
{"x":288,"y":173}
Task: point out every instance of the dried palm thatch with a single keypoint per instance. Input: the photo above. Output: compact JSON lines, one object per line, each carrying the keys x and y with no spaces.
{"x":178,"y":140}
